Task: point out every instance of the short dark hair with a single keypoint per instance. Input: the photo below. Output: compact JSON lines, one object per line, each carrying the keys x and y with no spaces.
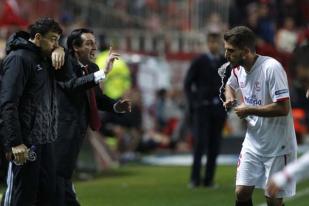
{"x":241,"y":37}
{"x":75,"y":39}
{"x":213,"y":35}
{"x":43,"y":26}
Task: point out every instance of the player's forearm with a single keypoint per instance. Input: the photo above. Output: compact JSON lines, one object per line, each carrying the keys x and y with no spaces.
{"x":229,"y":93}
{"x":271,"y":110}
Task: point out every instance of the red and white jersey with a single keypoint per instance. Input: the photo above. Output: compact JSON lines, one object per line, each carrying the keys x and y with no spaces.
{"x":264,"y":84}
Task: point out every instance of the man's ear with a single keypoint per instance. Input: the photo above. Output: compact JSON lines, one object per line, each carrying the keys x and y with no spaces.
{"x":75,"y":48}
{"x":37,"y":39}
{"x":38,"y":36}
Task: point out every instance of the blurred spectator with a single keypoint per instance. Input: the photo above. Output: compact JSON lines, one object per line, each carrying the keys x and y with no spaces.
{"x":289,"y":8}
{"x":286,"y":37}
{"x":153,"y":74}
{"x":266,"y":24}
{"x":201,"y":86}
{"x":252,"y":17}
{"x":214,"y":23}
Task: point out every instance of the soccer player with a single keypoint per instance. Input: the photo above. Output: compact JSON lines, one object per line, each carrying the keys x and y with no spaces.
{"x":270,"y":141}
{"x":297,"y":170}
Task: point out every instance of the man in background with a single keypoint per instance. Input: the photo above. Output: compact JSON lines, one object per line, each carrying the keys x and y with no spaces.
{"x":202,"y":84}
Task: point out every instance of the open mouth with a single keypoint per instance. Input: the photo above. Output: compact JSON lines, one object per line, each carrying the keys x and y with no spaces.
{"x":92,"y":55}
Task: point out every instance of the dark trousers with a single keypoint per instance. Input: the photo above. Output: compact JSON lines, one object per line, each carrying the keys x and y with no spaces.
{"x":208,"y":122}
{"x":32,"y":184}
{"x":67,"y":148}
{"x":66,"y":195}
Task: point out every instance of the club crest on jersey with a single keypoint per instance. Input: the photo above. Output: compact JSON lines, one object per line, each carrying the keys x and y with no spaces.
{"x":257,"y":86}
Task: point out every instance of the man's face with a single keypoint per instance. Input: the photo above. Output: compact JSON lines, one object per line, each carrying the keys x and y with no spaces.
{"x":302,"y":73}
{"x":87,"y":51}
{"x":49,"y":42}
{"x":214,"y":45}
{"x":233,"y":54}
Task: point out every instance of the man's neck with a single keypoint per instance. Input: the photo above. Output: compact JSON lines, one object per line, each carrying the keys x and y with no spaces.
{"x":214,"y":54}
{"x":36,"y":43}
{"x":250,"y":62}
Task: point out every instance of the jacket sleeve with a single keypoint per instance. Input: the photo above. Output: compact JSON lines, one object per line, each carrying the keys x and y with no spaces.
{"x":14,"y":79}
{"x":104,"y":102}
{"x":68,"y":80}
{"x":189,"y":80}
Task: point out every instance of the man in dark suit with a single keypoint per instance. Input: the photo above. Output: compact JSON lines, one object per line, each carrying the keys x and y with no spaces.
{"x":202,"y":85}
{"x":78,"y":110}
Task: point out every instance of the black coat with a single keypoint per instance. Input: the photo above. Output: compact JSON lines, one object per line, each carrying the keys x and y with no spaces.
{"x":202,"y":82}
{"x":74,"y":105}
{"x":74,"y":119}
{"x":28,"y":104}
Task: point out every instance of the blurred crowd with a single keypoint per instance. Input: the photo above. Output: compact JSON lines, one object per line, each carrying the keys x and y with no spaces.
{"x":158,"y":120}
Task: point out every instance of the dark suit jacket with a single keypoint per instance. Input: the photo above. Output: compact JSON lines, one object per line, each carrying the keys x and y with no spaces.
{"x":202,"y":82}
{"x":74,"y":117}
{"x":74,"y":105}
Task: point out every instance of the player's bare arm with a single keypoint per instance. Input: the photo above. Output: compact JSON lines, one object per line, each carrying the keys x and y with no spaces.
{"x":230,"y":96}
{"x":274,"y":109}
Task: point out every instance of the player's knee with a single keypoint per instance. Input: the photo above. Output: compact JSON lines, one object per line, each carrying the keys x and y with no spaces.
{"x":243,"y":194}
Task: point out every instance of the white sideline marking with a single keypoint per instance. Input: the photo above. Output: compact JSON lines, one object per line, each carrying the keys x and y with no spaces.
{"x":298,"y":195}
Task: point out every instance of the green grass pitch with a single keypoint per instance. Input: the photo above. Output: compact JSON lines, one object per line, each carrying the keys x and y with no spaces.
{"x":137,"y":185}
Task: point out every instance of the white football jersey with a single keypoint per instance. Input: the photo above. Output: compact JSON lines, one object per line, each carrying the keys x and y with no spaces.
{"x":264,"y":84}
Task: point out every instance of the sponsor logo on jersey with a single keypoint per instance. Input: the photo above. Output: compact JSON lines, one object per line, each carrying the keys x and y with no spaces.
{"x":253,"y":100}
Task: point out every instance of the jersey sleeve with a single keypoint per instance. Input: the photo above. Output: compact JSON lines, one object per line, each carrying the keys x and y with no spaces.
{"x":233,"y":80}
{"x":278,"y":83}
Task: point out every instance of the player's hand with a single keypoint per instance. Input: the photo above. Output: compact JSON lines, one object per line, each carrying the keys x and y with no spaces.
{"x":241,"y":111}
{"x":110,"y":60}
{"x":229,"y":103}
{"x":123,"y":106}
{"x":57,"y":57}
{"x":20,"y":154}
{"x":272,"y":189}
{"x":307,"y":94}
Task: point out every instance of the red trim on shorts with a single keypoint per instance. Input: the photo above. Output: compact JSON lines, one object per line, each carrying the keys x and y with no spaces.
{"x":282,"y":99}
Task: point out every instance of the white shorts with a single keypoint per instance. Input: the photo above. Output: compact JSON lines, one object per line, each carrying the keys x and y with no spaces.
{"x":255,"y":170}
